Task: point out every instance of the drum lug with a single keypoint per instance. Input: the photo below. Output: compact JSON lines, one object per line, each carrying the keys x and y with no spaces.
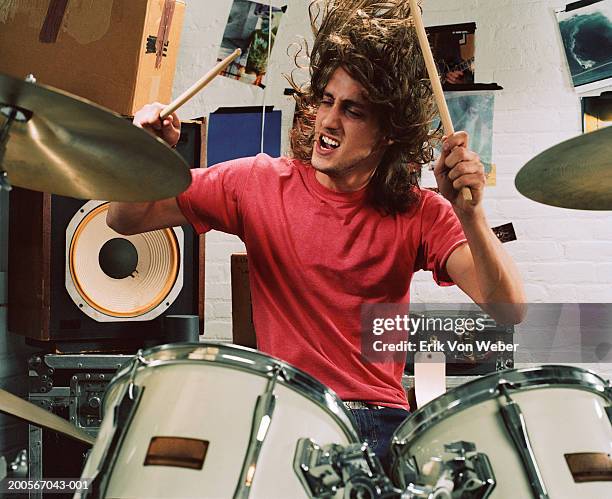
{"x":314,"y":469}
{"x":517,"y":428}
{"x":262,"y":418}
{"x":608,"y":393}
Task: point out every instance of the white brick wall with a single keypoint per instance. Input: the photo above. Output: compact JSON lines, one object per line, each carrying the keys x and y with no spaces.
{"x":563,"y":254}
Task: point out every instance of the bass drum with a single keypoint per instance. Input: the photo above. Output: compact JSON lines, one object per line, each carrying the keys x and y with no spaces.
{"x":566,"y":413}
{"x":210,"y":420}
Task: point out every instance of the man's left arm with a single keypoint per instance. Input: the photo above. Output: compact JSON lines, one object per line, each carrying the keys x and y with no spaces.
{"x":481,"y":268}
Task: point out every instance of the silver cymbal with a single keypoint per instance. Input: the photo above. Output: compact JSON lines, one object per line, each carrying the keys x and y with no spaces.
{"x":72,"y":147}
{"x":574,"y":174}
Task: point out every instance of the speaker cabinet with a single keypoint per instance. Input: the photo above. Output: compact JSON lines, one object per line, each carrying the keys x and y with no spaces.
{"x":53,"y":294}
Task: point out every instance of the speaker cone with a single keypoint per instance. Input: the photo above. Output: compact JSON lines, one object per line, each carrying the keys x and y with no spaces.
{"x":112,"y":277}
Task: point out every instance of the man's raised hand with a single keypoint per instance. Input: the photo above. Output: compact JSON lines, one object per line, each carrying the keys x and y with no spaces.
{"x":148,"y":119}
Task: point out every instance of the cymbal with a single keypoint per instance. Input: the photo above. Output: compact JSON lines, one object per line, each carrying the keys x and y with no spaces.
{"x":574,"y":174}
{"x":73,"y":147}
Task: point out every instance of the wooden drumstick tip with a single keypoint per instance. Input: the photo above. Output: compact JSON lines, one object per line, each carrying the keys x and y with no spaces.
{"x":199,"y":85}
{"x":432,"y":71}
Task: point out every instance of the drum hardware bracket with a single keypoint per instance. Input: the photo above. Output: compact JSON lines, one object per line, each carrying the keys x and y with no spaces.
{"x":262,"y":418}
{"x":404,"y":470}
{"x":86,"y":394}
{"x":13,"y":114}
{"x":467,"y":475}
{"x":325,"y":470}
{"x":514,"y":422}
{"x":18,"y":468}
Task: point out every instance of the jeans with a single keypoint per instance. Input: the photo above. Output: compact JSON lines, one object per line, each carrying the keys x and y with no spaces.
{"x":376,"y":427}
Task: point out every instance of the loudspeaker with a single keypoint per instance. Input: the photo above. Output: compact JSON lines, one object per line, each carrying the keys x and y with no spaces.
{"x":71,"y":278}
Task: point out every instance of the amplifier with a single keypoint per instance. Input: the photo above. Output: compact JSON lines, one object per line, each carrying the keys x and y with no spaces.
{"x":63,"y":289}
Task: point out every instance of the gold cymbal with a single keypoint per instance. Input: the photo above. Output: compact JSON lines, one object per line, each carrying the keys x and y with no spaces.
{"x":574,"y":174}
{"x":73,"y":147}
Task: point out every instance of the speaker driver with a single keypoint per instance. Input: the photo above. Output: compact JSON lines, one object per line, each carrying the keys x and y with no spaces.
{"x":112,"y":277}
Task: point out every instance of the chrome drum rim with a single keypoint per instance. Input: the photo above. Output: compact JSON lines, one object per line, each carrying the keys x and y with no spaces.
{"x":486,"y":388}
{"x":243,"y":359}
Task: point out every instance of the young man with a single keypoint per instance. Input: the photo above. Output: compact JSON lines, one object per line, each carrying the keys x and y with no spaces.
{"x":342,"y":222}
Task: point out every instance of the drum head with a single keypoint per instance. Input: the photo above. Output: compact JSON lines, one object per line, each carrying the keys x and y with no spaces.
{"x":486,"y":388}
{"x":243,"y":359}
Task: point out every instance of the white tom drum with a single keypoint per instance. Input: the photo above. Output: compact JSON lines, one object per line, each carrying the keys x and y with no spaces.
{"x":560,"y":413}
{"x":210,"y":420}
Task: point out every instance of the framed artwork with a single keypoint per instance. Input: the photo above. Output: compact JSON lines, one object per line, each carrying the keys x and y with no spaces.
{"x":586,"y":32}
{"x":453,"y":47}
{"x":596,"y":112}
{"x":473,"y":112}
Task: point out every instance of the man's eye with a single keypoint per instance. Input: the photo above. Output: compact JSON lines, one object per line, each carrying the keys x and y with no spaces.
{"x":354,"y":114}
{"x":326,"y":102}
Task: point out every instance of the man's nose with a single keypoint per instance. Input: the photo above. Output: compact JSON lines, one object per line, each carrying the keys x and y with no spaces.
{"x":331,"y":118}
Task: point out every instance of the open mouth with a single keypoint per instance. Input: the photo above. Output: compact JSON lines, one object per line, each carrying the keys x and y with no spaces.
{"x":328,"y":143}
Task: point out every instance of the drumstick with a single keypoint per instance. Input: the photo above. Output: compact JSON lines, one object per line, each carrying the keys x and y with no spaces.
{"x":436,"y":86}
{"x":27,"y":411}
{"x":198,"y":85}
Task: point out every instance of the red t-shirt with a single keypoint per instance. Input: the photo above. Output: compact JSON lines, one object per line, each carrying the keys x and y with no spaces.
{"x":315,"y":256}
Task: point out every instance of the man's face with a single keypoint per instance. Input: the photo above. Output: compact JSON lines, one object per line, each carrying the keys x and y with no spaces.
{"x":349,"y":143}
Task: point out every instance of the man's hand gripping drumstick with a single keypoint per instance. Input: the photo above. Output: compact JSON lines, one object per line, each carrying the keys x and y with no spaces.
{"x":162,"y":120}
{"x":443,"y":165}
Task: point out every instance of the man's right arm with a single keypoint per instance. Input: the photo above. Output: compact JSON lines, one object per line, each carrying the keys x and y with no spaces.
{"x":134,"y":218}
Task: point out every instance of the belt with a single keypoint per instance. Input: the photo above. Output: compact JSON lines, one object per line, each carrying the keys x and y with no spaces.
{"x":358,"y":404}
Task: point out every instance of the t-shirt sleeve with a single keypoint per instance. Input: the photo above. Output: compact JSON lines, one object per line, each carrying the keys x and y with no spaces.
{"x":441,"y":234}
{"x":213,"y":200}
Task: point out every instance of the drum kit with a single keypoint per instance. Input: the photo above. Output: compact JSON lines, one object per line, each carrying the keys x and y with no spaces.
{"x":218,"y":420}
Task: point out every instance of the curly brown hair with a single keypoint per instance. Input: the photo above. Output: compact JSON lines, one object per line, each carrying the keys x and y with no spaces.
{"x":376,"y":43}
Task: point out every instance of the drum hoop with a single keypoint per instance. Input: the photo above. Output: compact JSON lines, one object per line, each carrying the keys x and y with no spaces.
{"x":259,"y":364}
{"x":483,"y":389}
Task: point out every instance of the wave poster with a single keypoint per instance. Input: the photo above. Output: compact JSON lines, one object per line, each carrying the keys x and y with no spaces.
{"x":586,"y":31}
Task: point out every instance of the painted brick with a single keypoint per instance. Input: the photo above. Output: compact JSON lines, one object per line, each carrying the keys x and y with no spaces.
{"x":589,"y":251}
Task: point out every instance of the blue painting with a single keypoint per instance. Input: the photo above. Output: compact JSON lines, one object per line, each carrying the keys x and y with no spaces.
{"x":472,"y":112}
{"x":587,"y":38}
